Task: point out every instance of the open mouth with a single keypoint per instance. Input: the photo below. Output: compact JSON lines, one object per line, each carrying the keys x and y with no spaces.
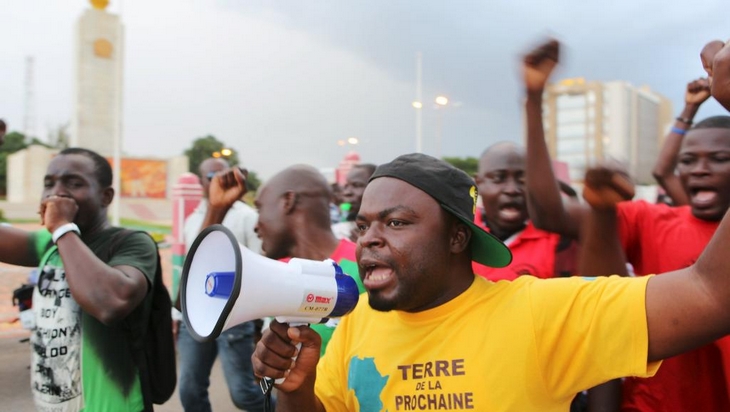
{"x":376,"y":275}
{"x":703,"y":197}
{"x":510,"y":212}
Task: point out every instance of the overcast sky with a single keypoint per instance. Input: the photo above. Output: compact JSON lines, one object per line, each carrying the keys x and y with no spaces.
{"x":283,"y":81}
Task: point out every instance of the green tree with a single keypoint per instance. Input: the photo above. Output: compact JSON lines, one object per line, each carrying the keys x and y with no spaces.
{"x":14,"y":141}
{"x":35,"y":141}
{"x":467,"y":164}
{"x":254,"y":182}
{"x":205,"y":147}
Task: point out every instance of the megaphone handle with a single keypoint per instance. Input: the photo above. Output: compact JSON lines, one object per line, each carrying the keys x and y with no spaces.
{"x":299,"y":347}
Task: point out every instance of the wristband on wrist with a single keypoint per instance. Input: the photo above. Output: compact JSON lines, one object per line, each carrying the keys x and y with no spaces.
{"x":63,"y":229}
{"x":176,"y":315}
{"x":679,"y":131}
{"x":683,"y":120}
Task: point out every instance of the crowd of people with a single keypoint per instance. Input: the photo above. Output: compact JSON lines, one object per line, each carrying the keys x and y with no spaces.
{"x":505,"y":304}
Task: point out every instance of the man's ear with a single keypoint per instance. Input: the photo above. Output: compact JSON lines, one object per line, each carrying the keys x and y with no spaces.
{"x":460,"y":237}
{"x":290,"y":202}
{"x":107,"y":195}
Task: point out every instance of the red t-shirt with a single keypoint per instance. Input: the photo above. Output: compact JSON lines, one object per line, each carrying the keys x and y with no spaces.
{"x":533,"y":253}
{"x":658,"y":239}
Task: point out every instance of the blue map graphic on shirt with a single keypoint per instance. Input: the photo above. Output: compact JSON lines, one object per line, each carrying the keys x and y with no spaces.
{"x":367,"y":383}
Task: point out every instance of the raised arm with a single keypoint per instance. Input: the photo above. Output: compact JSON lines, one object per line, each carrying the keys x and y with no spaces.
{"x":225,"y":189}
{"x":664,"y":172}
{"x":688,"y":308}
{"x":601,"y":254}
{"x":107,"y":293}
{"x":545,"y":203}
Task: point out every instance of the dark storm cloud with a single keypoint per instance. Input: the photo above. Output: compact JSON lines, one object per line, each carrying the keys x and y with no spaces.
{"x":471,"y":49}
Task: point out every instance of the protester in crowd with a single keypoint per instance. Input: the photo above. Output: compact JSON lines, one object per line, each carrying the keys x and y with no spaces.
{"x":355,"y":184}
{"x":655,"y":238}
{"x":664,"y":172}
{"x":500,"y":180}
{"x":294,"y":223}
{"x":83,"y":354}
{"x":235,"y":345}
{"x":336,"y":214}
{"x":431,"y":334}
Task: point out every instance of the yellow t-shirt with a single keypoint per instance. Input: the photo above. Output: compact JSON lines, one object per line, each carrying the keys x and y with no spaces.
{"x":527,"y":345}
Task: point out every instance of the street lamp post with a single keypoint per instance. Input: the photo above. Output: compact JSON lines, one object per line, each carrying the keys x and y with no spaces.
{"x":417,"y":104}
{"x":441,"y":102}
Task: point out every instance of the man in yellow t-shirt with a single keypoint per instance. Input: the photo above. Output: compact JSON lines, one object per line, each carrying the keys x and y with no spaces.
{"x":431,"y":336}
{"x":528,"y":345}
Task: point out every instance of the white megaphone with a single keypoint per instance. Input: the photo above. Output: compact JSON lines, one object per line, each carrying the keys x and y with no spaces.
{"x":224,"y":284}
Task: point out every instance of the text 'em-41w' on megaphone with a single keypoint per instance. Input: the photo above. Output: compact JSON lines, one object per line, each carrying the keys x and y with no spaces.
{"x":224,"y":284}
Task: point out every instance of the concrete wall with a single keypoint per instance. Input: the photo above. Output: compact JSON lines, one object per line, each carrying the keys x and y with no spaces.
{"x":26,"y":169}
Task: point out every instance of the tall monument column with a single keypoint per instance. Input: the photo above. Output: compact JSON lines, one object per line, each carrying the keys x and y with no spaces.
{"x":98,"y":80}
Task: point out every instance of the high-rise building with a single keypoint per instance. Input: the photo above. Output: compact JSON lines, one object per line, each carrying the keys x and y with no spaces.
{"x":586,"y":122}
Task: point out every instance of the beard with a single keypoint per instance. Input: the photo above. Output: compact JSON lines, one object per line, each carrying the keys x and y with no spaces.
{"x":381,"y":304}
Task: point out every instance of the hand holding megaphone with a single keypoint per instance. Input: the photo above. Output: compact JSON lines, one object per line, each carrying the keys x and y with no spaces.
{"x":287,"y":354}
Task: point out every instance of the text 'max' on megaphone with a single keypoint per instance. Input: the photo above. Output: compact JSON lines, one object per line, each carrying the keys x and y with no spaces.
{"x":224,"y":284}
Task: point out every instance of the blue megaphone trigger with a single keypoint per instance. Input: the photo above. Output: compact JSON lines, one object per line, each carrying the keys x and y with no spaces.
{"x":219,"y":284}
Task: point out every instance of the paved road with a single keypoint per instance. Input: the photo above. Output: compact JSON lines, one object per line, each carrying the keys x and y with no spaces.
{"x":15,"y":381}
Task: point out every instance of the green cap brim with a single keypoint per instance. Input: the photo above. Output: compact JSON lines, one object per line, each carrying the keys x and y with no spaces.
{"x":485,"y":248}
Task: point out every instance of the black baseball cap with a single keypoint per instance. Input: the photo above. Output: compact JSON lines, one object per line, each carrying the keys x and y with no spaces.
{"x":456,"y":192}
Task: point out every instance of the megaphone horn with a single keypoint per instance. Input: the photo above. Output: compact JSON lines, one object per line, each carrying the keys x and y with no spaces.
{"x":224,"y":284}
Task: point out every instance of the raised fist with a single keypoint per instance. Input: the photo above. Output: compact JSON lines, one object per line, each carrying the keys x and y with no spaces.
{"x":57,"y":210}
{"x":538,"y":64}
{"x":697,"y":92}
{"x":720,"y":84}
{"x":606,"y":186}
{"x":227,"y":187}
{"x":707,"y":55}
